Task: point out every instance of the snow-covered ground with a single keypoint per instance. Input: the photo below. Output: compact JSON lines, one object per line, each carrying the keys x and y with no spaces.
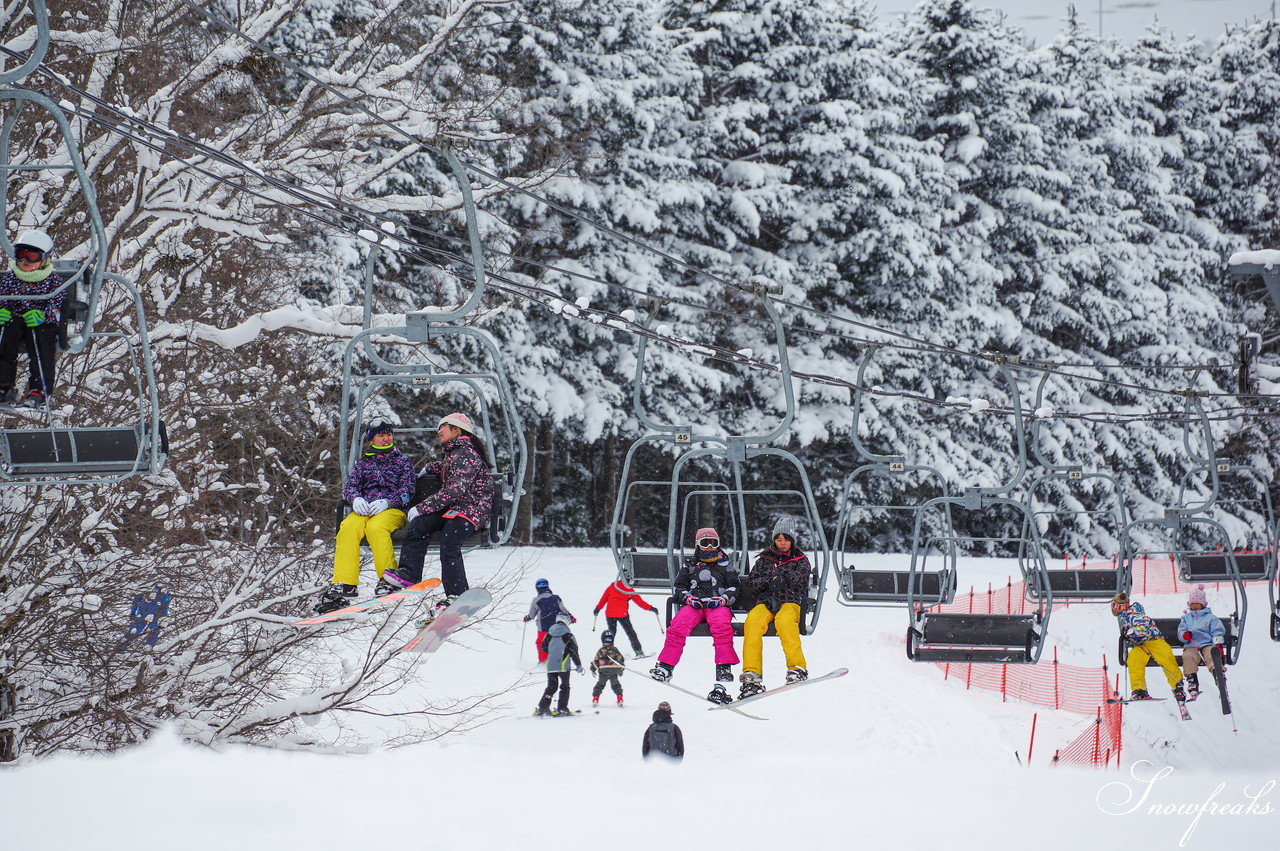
{"x":891,"y":756}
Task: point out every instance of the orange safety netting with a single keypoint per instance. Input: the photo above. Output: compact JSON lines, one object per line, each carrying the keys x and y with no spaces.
{"x":1058,"y":686}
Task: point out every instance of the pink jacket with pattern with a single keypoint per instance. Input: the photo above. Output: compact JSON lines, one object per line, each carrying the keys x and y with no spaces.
{"x":467,"y":487}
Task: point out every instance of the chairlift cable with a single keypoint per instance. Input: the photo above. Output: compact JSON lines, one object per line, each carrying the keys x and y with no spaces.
{"x":351,"y":211}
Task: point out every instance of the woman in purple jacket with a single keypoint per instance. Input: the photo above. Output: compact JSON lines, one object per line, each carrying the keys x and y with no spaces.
{"x":379,"y":490}
{"x":458,"y":510}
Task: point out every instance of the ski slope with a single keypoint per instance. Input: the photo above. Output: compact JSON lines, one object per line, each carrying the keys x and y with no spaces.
{"x":891,"y":756}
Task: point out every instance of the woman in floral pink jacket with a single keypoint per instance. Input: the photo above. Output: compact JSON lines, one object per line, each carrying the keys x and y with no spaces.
{"x":459,"y":509}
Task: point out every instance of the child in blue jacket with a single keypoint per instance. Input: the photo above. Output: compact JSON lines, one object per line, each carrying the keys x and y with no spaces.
{"x":1201,"y":630}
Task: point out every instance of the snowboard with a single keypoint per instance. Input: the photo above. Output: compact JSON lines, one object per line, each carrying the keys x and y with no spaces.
{"x":838,"y":672}
{"x":452,"y":619}
{"x":730,"y":706}
{"x":370,"y":604}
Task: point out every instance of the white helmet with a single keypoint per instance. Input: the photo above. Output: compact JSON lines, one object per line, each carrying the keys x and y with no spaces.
{"x":37,"y":239}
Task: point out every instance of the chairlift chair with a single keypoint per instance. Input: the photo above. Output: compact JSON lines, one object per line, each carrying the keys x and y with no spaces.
{"x":936,"y":636}
{"x":50,"y":454}
{"x":683,"y":489}
{"x":1095,"y":585}
{"x":864,"y":587}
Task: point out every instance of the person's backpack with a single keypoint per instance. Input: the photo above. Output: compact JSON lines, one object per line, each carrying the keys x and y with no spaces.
{"x":662,"y":738}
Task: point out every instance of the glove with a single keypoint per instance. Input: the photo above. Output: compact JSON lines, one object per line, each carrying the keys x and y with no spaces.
{"x":593,"y":667}
{"x":1186,"y":636}
{"x":690,"y":600}
{"x":711,"y":602}
{"x":595,"y":612}
{"x":527,"y":618}
{"x":379,"y":505}
{"x":414,"y":513}
{"x":1222,"y":651}
{"x":5,"y":316}
{"x":579,"y":669}
{"x":33,"y":317}
{"x":360,"y":506}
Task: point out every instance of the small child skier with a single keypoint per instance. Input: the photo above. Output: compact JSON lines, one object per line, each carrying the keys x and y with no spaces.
{"x":1145,"y":642}
{"x":1201,"y":630}
{"x":607,"y":666}
{"x":560,"y":648}
{"x":546,"y":608}
{"x":663,"y":736}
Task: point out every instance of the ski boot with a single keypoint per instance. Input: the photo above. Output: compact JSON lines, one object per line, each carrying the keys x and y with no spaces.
{"x":541,"y":712}
{"x":797,"y":675}
{"x":1140,"y":694}
{"x":337,"y":596}
{"x":385,"y":587}
{"x":719,"y":694}
{"x":620,"y":704}
{"x":661,"y":672}
{"x":724,"y":673}
{"x":640,"y":654}
{"x":1193,"y":686}
{"x":752,"y":683}
{"x":1178,"y":693}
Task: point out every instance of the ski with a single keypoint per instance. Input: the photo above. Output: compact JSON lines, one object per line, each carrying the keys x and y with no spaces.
{"x":574,"y":714}
{"x":452,"y":619}
{"x":1182,"y":709}
{"x":370,"y":604}
{"x":731,"y":707}
{"x":1132,"y":700}
{"x":838,"y":672}
{"x":1220,"y":679}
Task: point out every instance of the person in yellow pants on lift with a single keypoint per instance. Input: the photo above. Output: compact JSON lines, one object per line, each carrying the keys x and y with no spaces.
{"x":780,"y":581}
{"x":1145,"y":642}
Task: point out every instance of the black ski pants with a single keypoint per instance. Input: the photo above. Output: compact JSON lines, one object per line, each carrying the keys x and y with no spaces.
{"x":609,"y":675}
{"x":625,"y":620}
{"x":556,"y":680}
{"x":453,"y":534}
{"x":41,"y":346}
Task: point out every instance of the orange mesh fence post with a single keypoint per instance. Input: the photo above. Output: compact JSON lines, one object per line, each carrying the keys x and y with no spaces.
{"x":1032,"y":744}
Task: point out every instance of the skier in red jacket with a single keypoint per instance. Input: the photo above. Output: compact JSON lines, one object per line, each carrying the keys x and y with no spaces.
{"x":616,"y":601}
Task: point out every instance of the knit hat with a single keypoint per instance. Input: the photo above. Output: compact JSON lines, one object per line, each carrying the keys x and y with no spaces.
{"x":1197,"y":596}
{"x":707,"y":532}
{"x":374,"y":427}
{"x":564,"y":619}
{"x":664,"y":706}
{"x":785,"y":527}
{"x":457,"y":420}
{"x":1121,"y":599}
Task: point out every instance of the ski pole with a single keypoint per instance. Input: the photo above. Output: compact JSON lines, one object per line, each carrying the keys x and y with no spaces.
{"x":48,"y":412}
{"x":523,"y":632}
{"x":659,"y":617}
{"x":594,"y":615}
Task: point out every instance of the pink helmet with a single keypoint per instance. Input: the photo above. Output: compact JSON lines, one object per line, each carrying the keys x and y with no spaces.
{"x":707,"y":532}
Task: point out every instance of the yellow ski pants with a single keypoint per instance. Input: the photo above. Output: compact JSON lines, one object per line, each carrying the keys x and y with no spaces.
{"x":1158,"y":649}
{"x":786,"y":623}
{"x":377,"y":529}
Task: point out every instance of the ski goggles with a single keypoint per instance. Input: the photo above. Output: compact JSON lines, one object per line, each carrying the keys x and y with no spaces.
{"x":28,"y":255}
{"x":708,"y":543}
